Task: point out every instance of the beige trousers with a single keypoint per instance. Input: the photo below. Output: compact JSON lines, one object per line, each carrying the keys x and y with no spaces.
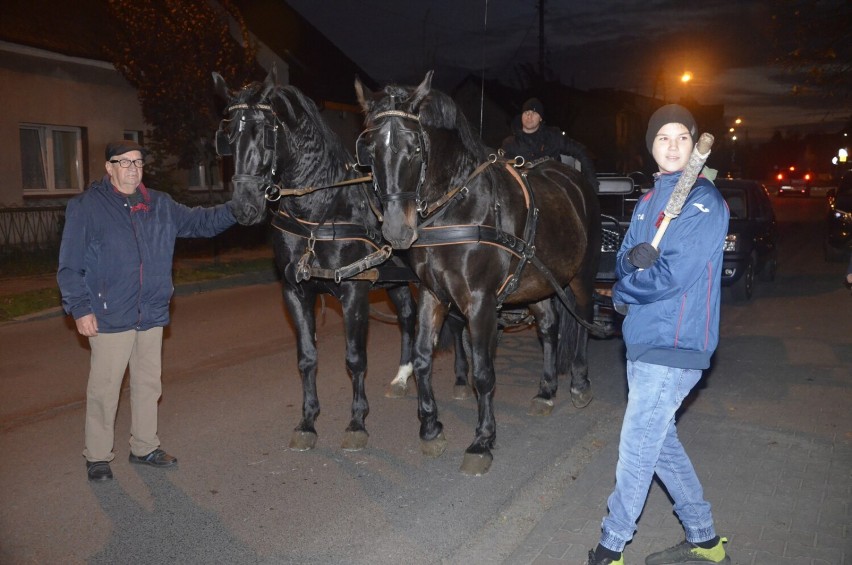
{"x":112,"y":353}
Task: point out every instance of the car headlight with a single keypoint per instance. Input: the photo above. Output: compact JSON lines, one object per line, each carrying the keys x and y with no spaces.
{"x":730,"y":242}
{"x":843,"y":216}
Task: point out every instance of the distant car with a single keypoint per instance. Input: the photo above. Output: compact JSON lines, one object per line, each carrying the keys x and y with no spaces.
{"x":838,"y":234}
{"x":794,"y":182}
{"x":751,"y":246}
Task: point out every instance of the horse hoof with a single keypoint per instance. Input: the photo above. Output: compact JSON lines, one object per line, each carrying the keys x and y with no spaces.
{"x":303,"y":441}
{"x":355,"y":441}
{"x":396,"y":390}
{"x":461,"y":392}
{"x":540,"y":407}
{"x":476,"y":464}
{"x":434,"y":447}
{"x":581,"y":398}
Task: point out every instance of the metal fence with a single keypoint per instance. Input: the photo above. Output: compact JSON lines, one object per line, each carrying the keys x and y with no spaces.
{"x":30,"y":228}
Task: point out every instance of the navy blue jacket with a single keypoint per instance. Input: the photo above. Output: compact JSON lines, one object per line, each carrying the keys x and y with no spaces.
{"x":116,"y":259}
{"x":673,"y":318}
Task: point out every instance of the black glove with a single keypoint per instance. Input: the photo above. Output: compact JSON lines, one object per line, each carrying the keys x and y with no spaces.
{"x":643,"y":255}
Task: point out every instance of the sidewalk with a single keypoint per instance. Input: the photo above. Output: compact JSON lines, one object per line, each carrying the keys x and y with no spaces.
{"x":779,"y":498}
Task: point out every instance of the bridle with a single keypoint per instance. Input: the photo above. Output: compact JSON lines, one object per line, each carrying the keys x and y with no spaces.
{"x":266,"y":182}
{"x":365,"y":158}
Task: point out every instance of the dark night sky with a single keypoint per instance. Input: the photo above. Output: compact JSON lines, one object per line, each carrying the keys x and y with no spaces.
{"x":639,"y":46}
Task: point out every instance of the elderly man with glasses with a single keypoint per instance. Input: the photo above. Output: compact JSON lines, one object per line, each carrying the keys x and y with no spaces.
{"x":115,"y":275}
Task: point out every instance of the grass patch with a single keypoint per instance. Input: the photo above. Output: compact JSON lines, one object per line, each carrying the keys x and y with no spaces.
{"x":218,"y":270}
{"x":17,"y":305}
{"x":21,"y":304}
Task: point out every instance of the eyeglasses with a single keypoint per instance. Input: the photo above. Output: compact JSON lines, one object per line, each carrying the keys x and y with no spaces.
{"x":125,"y":163}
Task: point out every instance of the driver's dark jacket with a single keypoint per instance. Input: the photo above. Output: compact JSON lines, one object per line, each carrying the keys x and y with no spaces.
{"x":546,"y":141}
{"x":116,"y":258}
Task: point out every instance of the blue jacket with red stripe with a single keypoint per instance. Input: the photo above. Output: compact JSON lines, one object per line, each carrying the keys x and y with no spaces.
{"x":115,"y":259}
{"x":673,"y":319}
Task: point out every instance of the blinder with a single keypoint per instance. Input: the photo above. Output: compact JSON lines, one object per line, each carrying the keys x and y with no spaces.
{"x":223,"y":145}
{"x":363,"y":155}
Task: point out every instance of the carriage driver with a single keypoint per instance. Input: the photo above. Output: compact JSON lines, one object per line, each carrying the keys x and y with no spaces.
{"x":112,"y":230}
{"x":533,"y":140}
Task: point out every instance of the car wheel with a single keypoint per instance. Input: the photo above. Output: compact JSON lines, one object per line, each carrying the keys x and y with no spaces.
{"x":743,"y":289}
{"x":770,"y":269}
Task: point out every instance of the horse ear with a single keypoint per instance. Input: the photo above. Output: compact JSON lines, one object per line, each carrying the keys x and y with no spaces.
{"x":272,"y":77}
{"x":219,"y":86}
{"x":361,"y":92}
{"x":421,"y":91}
{"x":269,"y":82}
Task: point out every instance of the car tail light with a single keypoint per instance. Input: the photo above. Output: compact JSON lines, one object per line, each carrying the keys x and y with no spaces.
{"x":807,"y":176}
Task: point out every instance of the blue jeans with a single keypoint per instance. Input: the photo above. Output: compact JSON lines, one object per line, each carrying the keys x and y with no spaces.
{"x":648,"y":445}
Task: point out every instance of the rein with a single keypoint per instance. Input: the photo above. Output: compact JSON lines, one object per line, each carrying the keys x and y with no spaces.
{"x":363,"y":269}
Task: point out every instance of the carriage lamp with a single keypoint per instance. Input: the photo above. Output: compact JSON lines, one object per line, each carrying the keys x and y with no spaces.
{"x":730,"y":242}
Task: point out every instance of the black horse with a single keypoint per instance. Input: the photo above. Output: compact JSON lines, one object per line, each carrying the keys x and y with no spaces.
{"x":327,"y":236}
{"x":472,"y":225}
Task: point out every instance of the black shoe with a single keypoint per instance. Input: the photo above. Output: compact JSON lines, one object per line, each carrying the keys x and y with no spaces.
{"x":595,"y":560}
{"x":98,"y":470}
{"x":157,"y":458}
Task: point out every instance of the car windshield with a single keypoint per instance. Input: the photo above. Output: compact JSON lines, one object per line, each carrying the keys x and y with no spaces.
{"x":737,"y":202}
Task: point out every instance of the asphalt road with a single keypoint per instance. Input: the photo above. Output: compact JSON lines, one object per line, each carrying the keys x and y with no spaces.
{"x":232,"y":395}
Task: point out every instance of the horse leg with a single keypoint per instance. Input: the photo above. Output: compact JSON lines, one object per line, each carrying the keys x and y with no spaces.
{"x":430,"y":317}
{"x":581,"y":387}
{"x":482,"y":323}
{"x":461,"y":342}
{"x":300,"y":304}
{"x":547,"y":327}
{"x":356,"y":315}
{"x":406,"y":315}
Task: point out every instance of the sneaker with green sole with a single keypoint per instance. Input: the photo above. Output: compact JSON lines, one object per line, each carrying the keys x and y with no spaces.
{"x":605,"y":560}
{"x":686,"y":553}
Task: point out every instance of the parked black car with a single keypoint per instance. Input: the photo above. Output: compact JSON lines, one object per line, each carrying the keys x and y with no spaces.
{"x":838,"y":234}
{"x":751,"y":247}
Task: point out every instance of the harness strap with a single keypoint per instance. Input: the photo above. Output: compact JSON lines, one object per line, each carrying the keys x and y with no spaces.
{"x":309,"y":189}
{"x":455,"y":235}
{"x":529,"y":236}
{"x":335,"y":231}
{"x":449,"y":195}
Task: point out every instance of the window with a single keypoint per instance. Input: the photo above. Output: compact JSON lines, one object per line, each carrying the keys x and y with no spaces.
{"x":51,"y":159}
{"x":207,"y":177}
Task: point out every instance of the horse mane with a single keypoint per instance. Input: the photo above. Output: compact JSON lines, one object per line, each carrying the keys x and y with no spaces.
{"x":290,"y":94}
{"x":436,"y":110}
{"x":293,"y":101}
{"x":439,"y":110}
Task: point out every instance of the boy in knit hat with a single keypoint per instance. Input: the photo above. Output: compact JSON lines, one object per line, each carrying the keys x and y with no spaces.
{"x":671,"y":299}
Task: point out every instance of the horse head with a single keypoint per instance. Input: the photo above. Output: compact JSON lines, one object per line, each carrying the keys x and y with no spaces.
{"x":251,"y":133}
{"x":407,"y":130}
{"x":394,"y":145}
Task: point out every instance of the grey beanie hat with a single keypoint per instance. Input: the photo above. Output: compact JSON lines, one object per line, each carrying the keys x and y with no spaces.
{"x":670,"y":114}
{"x":121,"y":147}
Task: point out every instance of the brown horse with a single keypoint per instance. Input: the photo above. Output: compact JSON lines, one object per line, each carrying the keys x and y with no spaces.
{"x":481,"y":234}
